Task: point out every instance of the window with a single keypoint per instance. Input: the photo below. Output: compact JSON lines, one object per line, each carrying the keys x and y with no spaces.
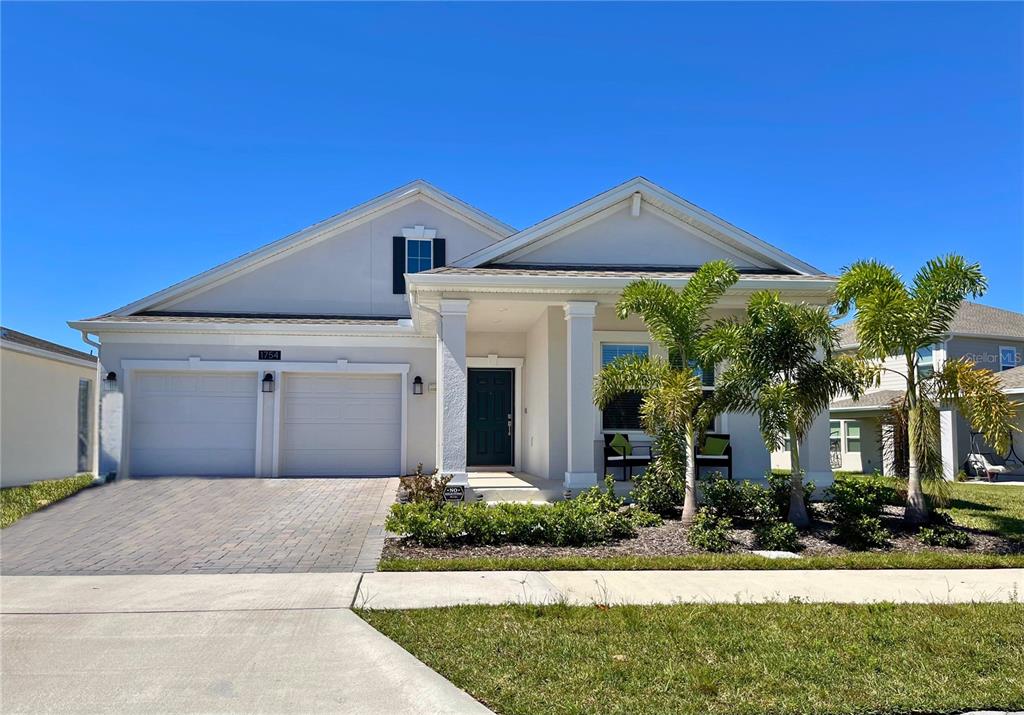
{"x":835,"y":439}
{"x":84,"y":424}
{"x":624,"y":412}
{"x":1007,"y":358}
{"x":925,"y":361}
{"x":418,"y":255}
{"x":853,"y":436}
{"x":707,"y":378}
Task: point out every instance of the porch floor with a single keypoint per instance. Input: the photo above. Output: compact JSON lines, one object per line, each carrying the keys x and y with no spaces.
{"x":499,"y":486}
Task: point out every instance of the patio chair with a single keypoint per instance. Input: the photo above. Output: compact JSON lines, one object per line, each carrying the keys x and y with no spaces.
{"x":619,"y":452}
{"x":978,"y":465}
{"x":715,"y":452}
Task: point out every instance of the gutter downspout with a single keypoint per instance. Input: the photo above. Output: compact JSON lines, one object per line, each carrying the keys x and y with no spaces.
{"x":95,"y":436}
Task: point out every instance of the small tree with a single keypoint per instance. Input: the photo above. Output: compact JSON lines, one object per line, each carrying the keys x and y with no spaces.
{"x":781,"y":368}
{"x":671,"y":391}
{"x":894,"y":320}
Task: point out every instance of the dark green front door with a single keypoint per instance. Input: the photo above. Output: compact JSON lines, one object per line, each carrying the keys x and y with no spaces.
{"x":490,"y":417}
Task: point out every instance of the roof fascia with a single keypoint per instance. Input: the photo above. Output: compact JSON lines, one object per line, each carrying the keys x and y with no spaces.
{"x":403,"y":329}
{"x":318,"y":232}
{"x":47,"y":354}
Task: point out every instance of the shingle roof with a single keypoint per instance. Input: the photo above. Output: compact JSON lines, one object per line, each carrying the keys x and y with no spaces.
{"x":881,"y":398}
{"x":39,"y":344}
{"x":629,"y":272}
{"x":1012,"y":378}
{"x":971,"y":319}
{"x":285,"y":319}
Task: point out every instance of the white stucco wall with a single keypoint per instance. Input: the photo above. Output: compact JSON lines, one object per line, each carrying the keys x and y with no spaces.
{"x":39,"y":417}
{"x":599,"y":241}
{"x":421,"y":359}
{"x":347,"y":274}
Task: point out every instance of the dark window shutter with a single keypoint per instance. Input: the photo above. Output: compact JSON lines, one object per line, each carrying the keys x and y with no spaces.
{"x":398,"y":265}
{"x":439,"y":258}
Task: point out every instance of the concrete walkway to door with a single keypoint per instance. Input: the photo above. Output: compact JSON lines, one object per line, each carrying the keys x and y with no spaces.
{"x":195,"y":525}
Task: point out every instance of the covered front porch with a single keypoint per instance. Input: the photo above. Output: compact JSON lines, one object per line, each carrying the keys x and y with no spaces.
{"x":507,"y":486}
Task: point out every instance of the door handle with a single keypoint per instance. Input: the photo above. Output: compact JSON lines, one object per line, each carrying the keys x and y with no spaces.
{"x":510,"y":425}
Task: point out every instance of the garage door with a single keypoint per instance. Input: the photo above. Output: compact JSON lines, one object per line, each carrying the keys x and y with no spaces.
{"x":193,"y":424}
{"x":341,"y":425}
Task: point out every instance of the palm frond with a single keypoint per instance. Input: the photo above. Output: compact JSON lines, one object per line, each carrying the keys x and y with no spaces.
{"x":659,"y":307}
{"x":939,"y":289}
{"x":861,"y":279}
{"x":978,"y":395}
{"x":629,"y":373}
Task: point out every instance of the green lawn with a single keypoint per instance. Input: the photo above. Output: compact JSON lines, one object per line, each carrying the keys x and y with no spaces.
{"x":16,"y":502}
{"x":742,"y":659}
{"x":987,"y":507}
{"x":710,"y":562}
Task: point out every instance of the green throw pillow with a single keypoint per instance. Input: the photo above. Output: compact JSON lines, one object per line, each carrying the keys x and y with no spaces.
{"x":620,"y":443}
{"x":715,"y":446}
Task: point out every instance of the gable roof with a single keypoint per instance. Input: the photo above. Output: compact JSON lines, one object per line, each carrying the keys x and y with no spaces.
{"x":12,"y":338}
{"x":675,"y":206}
{"x":1012,"y":380}
{"x":972,"y":320}
{"x":319,"y":231}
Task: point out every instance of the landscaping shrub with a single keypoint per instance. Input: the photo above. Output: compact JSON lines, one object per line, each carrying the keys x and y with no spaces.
{"x":709,"y":531}
{"x":776,"y":536}
{"x":420,"y":488}
{"x":658,"y":492}
{"x":740,"y":500}
{"x":861,"y":532}
{"x":779,"y":486}
{"x":943,"y":536}
{"x":592,"y":517}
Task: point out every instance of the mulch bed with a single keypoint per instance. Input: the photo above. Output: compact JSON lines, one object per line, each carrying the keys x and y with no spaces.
{"x":669,"y":540}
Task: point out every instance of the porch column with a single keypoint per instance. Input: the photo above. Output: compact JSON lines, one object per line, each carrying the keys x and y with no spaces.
{"x":452,"y":390}
{"x":888,"y":450}
{"x":948,"y":439}
{"x":579,"y":362}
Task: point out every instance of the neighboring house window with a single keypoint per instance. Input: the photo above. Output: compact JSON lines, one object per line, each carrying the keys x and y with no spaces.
{"x":1007,"y":358}
{"x":925,"y":361}
{"x":835,"y":438}
{"x":419,"y":255}
{"x":853,"y":436}
{"x":624,"y":412}
{"x":707,"y":378}
{"x":84,"y":424}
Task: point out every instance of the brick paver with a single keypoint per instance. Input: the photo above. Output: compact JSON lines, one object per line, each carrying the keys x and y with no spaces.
{"x":175,"y":525}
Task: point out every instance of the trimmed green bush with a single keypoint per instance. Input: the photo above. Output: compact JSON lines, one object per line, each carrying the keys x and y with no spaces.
{"x":592,"y":517}
{"x":943,"y":536}
{"x":709,"y":531}
{"x":779,"y":486}
{"x":776,"y":536}
{"x":861,"y":532}
{"x":658,"y":492}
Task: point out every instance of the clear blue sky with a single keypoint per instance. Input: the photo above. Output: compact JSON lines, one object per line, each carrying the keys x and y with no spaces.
{"x":144,"y":143}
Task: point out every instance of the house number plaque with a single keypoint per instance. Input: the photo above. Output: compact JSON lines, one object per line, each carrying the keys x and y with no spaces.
{"x":270,"y":354}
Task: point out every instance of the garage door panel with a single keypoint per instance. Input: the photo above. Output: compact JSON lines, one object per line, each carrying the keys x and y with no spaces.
{"x":193,"y":424}
{"x":341,"y":425}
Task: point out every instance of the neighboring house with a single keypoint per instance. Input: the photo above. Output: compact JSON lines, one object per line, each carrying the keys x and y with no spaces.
{"x":47,"y":409}
{"x":415,"y":328}
{"x":992,"y":338}
{"x":1013,"y":386}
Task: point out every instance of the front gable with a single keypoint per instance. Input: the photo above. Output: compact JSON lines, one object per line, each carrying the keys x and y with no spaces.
{"x":342,"y":266}
{"x":636,"y":224}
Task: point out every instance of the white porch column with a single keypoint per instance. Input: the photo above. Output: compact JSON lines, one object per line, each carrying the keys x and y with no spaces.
{"x":452,"y":388}
{"x":579,"y":362}
{"x":950,"y":450}
{"x":815,"y":458}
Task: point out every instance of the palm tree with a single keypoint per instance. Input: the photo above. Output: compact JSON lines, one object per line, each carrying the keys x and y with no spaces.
{"x":894,"y":320}
{"x":781,"y":368}
{"x":671,"y":409}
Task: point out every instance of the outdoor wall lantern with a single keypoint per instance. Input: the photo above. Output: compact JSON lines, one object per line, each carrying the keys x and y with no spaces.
{"x":417,"y":385}
{"x":111,"y":377}
{"x":268,"y":383}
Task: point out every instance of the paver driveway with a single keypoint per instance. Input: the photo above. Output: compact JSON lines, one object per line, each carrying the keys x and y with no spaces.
{"x":175,"y":525}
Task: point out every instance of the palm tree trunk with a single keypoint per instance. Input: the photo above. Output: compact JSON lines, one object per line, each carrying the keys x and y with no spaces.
{"x":690,"y":493}
{"x":797,"y":509}
{"x":917,"y":508}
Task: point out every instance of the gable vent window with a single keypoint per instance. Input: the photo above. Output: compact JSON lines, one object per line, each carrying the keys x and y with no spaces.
{"x":417,"y":249}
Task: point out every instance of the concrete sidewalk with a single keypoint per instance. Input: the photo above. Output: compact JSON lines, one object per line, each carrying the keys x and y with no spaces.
{"x":275,"y":643}
{"x":434,"y":589}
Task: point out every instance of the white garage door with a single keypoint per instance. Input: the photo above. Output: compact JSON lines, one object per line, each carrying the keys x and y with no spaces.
{"x":188,"y":423}
{"x":341,"y":425}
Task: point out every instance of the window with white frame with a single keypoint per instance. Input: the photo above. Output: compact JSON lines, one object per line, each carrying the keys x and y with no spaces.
{"x":624,"y":412}
{"x":835,"y":436}
{"x":853,"y":436}
{"x":925,"y":361}
{"x":1007,"y":357}
{"x":419,"y":255}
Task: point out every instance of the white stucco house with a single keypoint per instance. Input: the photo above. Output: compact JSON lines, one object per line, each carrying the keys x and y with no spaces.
{"x":414,"y":328}
{"x":47,"y":409}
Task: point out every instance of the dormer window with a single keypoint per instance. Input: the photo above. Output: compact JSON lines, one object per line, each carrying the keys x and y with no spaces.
{"x":419,"y":255}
